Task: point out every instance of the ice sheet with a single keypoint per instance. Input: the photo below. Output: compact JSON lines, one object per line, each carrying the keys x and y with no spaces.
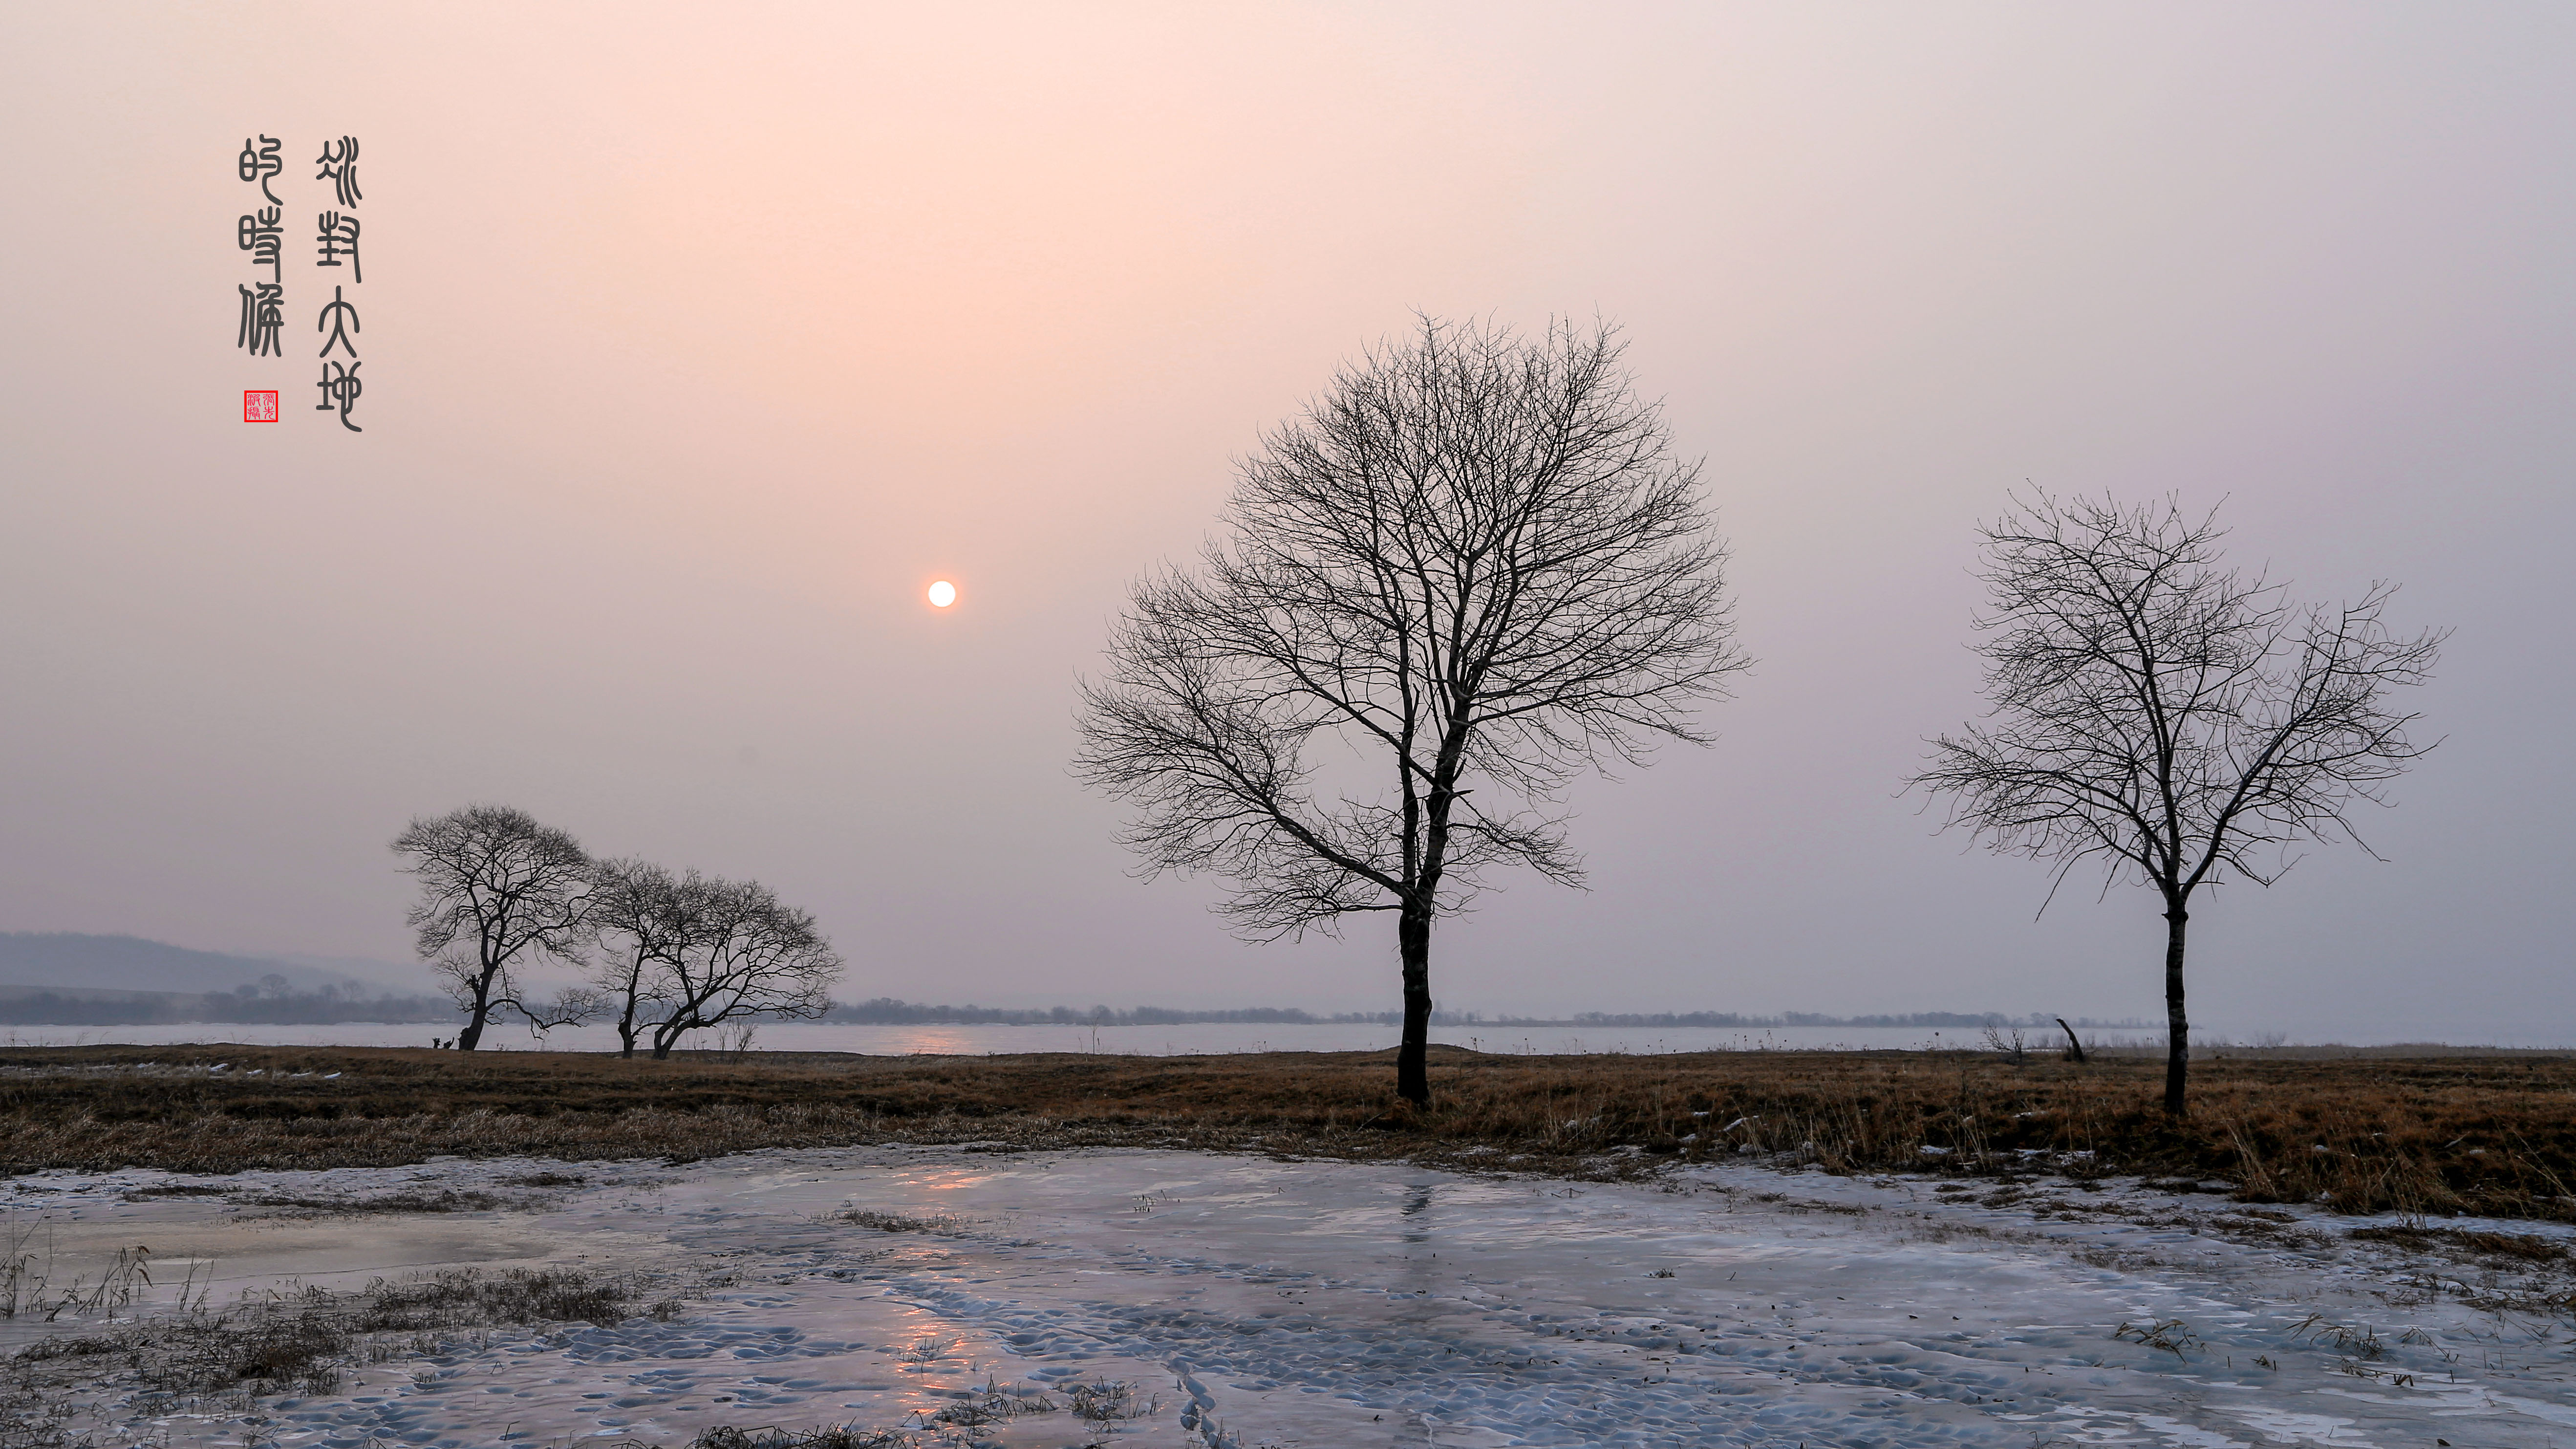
{"x":1329,"y":1303}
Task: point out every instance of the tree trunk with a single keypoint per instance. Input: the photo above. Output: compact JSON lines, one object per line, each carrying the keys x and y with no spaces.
{"x":1412,"y":1069}
{"x":2177,"y":1028}
{"x":475,"y":1018}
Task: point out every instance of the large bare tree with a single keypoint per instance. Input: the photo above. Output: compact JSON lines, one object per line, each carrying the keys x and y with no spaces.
{"x":1471,"y":571}
{"x":707,"y":952}
{"x":642,"y":921}
{"x":497,"y":891}
{"x":2175,"y":720}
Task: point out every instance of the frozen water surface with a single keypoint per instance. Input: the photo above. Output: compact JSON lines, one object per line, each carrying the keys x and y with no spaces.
{"x":1330,"y":1303}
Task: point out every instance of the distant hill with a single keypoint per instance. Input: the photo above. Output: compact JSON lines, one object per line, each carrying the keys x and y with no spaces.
{"x":395,"y":976}
{"x":102,"y":1006}
{"x":130,"y":963}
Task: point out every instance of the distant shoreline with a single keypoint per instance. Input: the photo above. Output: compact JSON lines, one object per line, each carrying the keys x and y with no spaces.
{"x":856,"y":1039}
{"x":74,"y":1006}
{"x":888,"y":1011}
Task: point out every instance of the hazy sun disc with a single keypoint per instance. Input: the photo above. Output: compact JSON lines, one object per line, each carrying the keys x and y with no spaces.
{"x":942,"y":594}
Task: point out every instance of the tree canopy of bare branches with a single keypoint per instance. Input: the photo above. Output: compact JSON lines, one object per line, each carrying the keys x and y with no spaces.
{"x":497,"y":890}
{"x":1472,"y":570}
{"x":687,"y":953}
{"x":2173,"y":720}
{"x":640,"y":923}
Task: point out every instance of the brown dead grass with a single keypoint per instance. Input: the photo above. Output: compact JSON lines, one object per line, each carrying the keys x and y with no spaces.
{"x":2522,"y":1248}
{"x":2489,"y":1135}
{"x":273,"y":1343}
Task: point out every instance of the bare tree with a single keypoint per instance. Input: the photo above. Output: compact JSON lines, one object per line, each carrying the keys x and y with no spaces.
{"x":642,"y":920}
{"x":2177,"y":721}
{"x":732,"y":951}
{"x":1470,"y":572}
{"x":497,"y":890}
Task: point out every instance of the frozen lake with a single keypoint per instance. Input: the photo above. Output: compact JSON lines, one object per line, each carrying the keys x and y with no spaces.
{"x":1187,"y":1040}
{"x":1273,"y":1302}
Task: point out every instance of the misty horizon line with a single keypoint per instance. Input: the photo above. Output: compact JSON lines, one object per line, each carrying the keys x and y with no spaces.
{"x":892,"y":1011}
{"x":116,"y":979}
{"x":39,"y":1004}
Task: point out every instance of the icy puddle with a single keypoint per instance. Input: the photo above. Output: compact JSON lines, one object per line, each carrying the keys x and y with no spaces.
{"x":1254,"y":1301}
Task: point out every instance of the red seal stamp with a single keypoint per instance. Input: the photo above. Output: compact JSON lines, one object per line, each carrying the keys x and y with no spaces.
{"x":259,"y":407}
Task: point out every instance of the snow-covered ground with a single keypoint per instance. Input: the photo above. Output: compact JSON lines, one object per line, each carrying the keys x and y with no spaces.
{"x":1330,"y":1303}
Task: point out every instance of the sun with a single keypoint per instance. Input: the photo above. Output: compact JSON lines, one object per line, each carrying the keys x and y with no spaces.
{"x":942,"y":594}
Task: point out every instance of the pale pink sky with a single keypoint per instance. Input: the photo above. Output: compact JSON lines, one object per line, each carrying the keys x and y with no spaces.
{"x":699,"y":339}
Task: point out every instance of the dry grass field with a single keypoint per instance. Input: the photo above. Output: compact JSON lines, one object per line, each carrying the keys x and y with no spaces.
{"x":2492,"y":1134}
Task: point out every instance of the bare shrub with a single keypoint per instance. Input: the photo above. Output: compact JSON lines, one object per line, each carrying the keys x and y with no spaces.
{"x":2359,"y":1341}
{"x":847,"y":1436}
{"x":304,"y":1342}
{"x":995,"y":1403}
{"x":886,"y":1222}
{"x":1106,"y":1402}
{"x":2169,"y":1334}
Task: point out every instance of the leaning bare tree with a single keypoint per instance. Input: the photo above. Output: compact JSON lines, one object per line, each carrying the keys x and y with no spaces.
{"x":2174,"y":720}
{"x":643,"y":921}
{"x":732,"y":951}
{"x":1470,"y":572}
{"x":497,"y":890}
